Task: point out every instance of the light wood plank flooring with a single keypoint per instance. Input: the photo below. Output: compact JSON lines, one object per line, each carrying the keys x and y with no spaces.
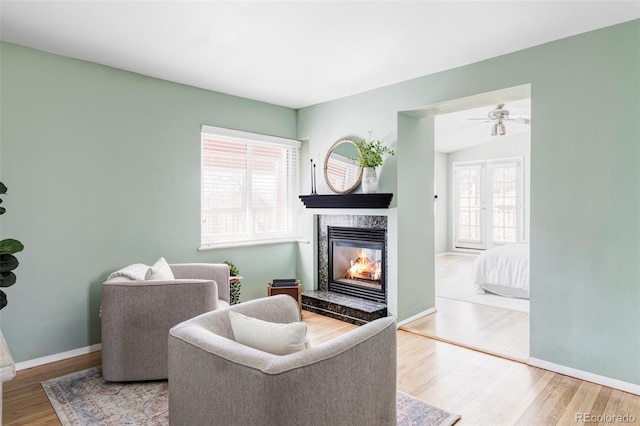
{"x":497,"y":331}
{"x":484,"y":389}
{"x":24,"y":400}
{"x":491,"y":329}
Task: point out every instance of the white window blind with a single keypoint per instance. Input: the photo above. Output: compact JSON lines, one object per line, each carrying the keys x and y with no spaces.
{"x":248,"y":187}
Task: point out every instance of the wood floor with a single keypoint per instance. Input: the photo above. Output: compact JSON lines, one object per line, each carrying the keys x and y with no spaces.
{"x":495,"y":330}
{"x":483,"y":389}
{"x":24,"y":400}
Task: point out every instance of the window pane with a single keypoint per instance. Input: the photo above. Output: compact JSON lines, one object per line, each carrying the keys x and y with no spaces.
{"x":464,"y":218}
{"x":224,"y":183}
{"x":504,"y":203}
{"x":269,"y":190}
{"x":468,"y":204}
{"x":247,"y":190}
{"x":464,"y":233}
{"x":498,"y":174}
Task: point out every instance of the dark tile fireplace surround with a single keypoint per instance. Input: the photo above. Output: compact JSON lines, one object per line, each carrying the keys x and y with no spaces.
{"x":356,"y":304}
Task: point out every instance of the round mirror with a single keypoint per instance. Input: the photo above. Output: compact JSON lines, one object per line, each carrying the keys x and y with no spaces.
{"x":342,"y":169}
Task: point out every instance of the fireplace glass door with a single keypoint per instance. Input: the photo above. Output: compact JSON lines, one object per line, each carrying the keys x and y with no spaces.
{"x":357,"y":263}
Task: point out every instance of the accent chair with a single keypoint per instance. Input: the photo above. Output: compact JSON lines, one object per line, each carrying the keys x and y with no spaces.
{"x":213,"y":379}
{"x":136,"y":316}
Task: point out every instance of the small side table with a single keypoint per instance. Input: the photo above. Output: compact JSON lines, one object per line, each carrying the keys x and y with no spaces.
{"x":293,"y":291}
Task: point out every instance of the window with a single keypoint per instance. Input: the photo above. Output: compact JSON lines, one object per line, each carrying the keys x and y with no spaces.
{"x":469,"y":212}
{"x":504,"y":194}
{"x":248,"y":187}
{"x":496,"y":184}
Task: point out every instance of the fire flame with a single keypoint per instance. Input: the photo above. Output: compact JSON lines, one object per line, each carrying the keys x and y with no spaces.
{"x":364,"y":268}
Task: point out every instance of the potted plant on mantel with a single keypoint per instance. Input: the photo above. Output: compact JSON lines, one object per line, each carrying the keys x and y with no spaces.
{"x":8,"y":262}
{"x":371,"y":153}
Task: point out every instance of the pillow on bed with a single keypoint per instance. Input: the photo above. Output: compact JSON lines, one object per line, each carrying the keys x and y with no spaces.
{"x":275,"y":338}
{"x":159,"y":271}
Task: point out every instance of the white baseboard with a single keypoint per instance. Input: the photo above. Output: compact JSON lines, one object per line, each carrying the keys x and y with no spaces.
{"x":57,"y":357}
{"x":463,"y":252}
{"x":585,"y":375}
{"x":415,"y":317}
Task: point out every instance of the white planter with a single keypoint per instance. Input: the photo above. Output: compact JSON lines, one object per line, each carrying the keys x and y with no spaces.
{"x":369,"y":180}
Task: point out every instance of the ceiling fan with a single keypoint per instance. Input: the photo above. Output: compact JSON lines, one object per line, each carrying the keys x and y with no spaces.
{"x":498,"y":116}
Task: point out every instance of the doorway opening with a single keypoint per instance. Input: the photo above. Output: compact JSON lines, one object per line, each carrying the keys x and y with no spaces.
{"x":481,"y":221}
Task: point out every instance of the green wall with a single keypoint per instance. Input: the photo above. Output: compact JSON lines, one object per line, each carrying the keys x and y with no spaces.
{"x":585,"y":186}
{"x":416,"y":237}
{"x":103,"y":170}
{"x":441,"y":223}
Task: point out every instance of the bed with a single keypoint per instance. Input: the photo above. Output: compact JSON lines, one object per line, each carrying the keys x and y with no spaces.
{"x":503,"y":271}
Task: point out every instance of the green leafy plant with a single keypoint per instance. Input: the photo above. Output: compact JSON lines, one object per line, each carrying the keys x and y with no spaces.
{"x":234,"y":285}
{"x":233,"y":271}
{"x":371,"y":152}
{"x":8,"y":262}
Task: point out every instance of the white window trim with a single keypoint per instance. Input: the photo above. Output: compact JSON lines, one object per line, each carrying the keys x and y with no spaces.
{"x":241,"y":135}
{"x":233,"y":135}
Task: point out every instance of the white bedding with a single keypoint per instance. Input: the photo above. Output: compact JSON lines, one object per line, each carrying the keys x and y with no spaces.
{"x":503,"y":271}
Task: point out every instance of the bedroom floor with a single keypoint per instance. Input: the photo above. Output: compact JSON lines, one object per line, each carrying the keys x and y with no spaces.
{"x":453,"y":281}
{"x":496,"y":325}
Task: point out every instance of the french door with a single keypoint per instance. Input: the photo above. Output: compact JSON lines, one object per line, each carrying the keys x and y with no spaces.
{"x":488,"y":206}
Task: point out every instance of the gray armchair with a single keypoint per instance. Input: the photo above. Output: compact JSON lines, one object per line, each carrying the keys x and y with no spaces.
{"x":136,"y":317}
{"x":214,"y":380}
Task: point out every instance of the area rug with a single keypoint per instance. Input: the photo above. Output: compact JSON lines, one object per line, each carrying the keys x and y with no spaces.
{"x":85,"y":399}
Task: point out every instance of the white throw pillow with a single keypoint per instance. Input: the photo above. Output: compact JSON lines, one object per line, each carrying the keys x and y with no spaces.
{"x":275,"y":338}
{"x":159,"y":271}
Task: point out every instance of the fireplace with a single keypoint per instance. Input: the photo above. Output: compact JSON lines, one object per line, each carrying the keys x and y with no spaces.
{"x":357,"y":262}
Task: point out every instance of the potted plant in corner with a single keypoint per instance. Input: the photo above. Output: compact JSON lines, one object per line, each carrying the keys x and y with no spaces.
{"x":371,"y":153}
{"x":234,"y":283}
{"x":8,"y":262}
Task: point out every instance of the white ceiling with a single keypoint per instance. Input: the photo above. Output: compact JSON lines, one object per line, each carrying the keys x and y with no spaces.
{"x":461,"y":129}
{"x":297,"y":53}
